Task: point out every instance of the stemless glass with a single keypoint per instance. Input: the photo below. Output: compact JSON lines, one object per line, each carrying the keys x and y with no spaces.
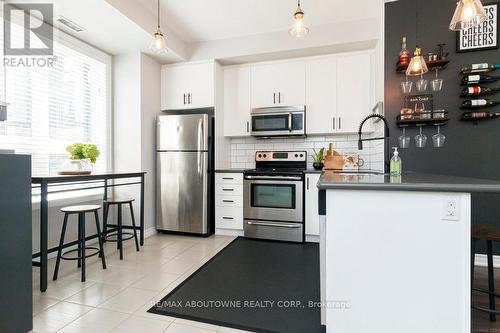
{"x":438,"y":139}
{"x":422,"y":84}
{"x":437,"y":83}
{"x":420,"y":139}
{"x":406,"y":86}
{"x":404,"y":140}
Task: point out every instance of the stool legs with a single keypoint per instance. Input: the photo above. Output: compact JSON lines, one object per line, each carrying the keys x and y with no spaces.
{"x":133,"y":224}
{"x":100,"y":237}
{"x":119,"y":243}
{"x":79,"y":246}
{"x":61,"y":243}
{"x":81,"y":222}
{"x":491,"y":279}
{"x":105,"y":222}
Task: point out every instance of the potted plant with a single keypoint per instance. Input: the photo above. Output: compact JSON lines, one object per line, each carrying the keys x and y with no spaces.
{"x":318,"y":158}
{"x":83,"y":155}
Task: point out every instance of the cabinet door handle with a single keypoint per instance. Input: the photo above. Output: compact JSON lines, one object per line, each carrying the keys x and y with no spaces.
{"x":228,"y":189}
{"x":227,"y":178}
{"x":248,"y":127}
{"x":279,"y":97}
{"x":333,"y":123}
{"x":307,"y":182}
{"x":227,"y":218}
{"x":184,"y":99}
{"x":340,"y":122}
{"x":189,"y":98}
{"x":274,"y":98}
{"x":228,"y":201}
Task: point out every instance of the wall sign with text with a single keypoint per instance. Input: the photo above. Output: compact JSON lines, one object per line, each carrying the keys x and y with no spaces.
{"x":482,"y":37}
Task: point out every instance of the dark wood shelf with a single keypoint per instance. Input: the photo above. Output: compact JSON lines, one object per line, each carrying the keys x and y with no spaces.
{"x":419,"y":121}
{"x":431,"y":65}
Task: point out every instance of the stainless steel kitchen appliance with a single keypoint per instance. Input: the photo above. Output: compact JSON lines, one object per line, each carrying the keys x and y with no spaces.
{"x":273,"y":196}
{"x":278,"y":121}
{"x":185,"y":172}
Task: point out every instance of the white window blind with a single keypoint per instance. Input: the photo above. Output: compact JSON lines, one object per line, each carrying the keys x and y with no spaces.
{"x":53,"y":107}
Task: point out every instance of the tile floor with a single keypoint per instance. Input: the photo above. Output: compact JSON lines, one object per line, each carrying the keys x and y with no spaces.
{"x":116,"y":299}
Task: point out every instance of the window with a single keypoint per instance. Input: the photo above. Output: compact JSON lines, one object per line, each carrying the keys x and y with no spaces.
{"x":52,"y":107}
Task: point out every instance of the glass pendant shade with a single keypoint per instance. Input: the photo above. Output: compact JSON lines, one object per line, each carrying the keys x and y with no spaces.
{"x":469,"y":13}
{"x":298,"y":29}
{"x":417,"y":64}
{"x":158,"y":44}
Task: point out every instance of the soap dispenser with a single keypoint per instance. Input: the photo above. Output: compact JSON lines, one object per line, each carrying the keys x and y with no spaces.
{"x":396,"y":166}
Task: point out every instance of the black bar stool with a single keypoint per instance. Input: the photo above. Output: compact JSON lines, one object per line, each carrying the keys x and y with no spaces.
{"x":489,"y":234}
{"x":81,"y":211}
{"x":117,"y":236}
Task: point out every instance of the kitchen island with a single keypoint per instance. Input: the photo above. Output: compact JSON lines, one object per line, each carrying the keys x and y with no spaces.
{"x":395,"y":252}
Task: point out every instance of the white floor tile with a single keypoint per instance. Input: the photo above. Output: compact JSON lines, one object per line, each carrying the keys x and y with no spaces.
{"x":137,"y":324}
{"x":58,"y":316}
{"x":96,"y":294}
{"x":179,"y":265}
{"x":96,"y":320}
{"x":177,"y":328}
{"x":156,"y":281}
{"x":42,"y":302}
{"x":128,"y":300}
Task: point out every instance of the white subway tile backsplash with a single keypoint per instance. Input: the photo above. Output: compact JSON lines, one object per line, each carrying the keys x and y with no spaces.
{"x":243,"y":149}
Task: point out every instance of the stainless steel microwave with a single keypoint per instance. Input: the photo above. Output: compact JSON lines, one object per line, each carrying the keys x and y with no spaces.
{"x":278,"y":121}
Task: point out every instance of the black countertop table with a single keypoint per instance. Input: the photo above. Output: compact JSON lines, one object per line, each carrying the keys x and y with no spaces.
{"x":86,"y":182}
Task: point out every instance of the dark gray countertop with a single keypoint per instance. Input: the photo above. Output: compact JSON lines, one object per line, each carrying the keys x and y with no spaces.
{"x":229,"y":170}
{"x":313,"y":171}
{"x":409,"y":181}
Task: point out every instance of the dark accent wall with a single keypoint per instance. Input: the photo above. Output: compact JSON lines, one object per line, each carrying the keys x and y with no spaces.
{"x":470,"y":150}
{"x":16,"y":307}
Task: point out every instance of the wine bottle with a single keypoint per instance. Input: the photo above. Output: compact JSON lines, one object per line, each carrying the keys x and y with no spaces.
{"x":479,"y":91}
{"x":478,"y":103}
{"x":480,"y":115}
{"x":404,"y":55}
{"x":479,"y":68}
{"x":479,"y":78}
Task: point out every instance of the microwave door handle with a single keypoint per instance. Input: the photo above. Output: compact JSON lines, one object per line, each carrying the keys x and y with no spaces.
{"x":290,"y":121}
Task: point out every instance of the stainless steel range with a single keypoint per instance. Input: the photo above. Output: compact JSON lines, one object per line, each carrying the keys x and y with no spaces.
{"x":273,"y":196}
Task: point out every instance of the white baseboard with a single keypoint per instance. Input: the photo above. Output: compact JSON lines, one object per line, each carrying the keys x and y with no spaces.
{"x":229,"y":232}
{"x":481,"y":260}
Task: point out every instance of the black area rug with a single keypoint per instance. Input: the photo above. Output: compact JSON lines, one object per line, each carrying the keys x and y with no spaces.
{"x":254,"y":285}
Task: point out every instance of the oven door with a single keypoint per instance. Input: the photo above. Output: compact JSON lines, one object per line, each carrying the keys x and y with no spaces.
{"x":278,"y":124}
{"x":273,"y":198}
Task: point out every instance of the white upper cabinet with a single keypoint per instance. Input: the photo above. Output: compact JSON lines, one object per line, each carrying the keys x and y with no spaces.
{"x":278,"y":84}
{"x":237,"y":101}
{"x":188,"y":86}
{"x":321,"y":95}
{"x":354,"y":90}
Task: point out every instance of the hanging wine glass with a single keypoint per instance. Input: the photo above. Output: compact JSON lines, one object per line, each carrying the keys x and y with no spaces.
{"x":422,"y":84}
{"x":404,"y":140}
{"x":437,"y":83}
{"x":406,"y":86}
{"x":438,"y":139}
{"x":420,"y":139}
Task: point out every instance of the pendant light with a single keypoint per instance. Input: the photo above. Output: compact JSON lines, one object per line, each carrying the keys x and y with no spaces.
{"x":158,"y":44}
{"x":298,"y":29}
{"x":417,"y":64}
{"x":469,"y":13}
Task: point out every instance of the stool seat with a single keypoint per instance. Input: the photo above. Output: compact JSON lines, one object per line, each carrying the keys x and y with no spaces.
{"x":80,"y":209}
{"x":486,"y":232}
{"x":112,"y":201}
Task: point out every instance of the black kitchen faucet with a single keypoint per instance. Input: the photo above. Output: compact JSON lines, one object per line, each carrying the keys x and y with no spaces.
{"x":385,"y":138}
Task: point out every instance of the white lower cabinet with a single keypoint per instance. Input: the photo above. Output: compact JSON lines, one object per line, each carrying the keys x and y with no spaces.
{"x":312,"y":216}
{"x":229,"y":201}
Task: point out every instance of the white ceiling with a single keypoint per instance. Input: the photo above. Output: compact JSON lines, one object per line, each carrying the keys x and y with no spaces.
{"x":206,"y":20}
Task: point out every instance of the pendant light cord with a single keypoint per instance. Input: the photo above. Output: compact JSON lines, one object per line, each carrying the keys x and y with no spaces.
{"x":158,"y":14}
{"x":416,"y":22}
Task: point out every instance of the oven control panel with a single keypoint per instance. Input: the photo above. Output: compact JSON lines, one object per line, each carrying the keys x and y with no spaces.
{"x":278,"y":156}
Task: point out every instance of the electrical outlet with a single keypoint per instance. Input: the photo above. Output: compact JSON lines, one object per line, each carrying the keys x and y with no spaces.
{"x":451,"y":209}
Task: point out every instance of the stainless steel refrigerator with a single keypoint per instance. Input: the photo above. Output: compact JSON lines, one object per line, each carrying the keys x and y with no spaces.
{"x":185,"y":172}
